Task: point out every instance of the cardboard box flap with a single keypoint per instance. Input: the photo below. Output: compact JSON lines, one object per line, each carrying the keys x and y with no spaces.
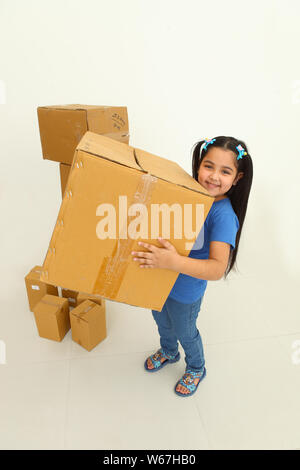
{"x":110,"y":149}
{"x":82,"y":310}
{"x":58,"y":304}
{"x":35,"y":273}
{"x":167,"y":170}
{"x":80,"y":316}
{"x":37,"y":269}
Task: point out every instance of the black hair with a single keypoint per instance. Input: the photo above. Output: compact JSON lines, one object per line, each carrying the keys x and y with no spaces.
{"x":238,"y":194}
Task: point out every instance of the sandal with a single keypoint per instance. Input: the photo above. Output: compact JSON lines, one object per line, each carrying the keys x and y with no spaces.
{"x":157,"y":357}
{"x":188,"y":381}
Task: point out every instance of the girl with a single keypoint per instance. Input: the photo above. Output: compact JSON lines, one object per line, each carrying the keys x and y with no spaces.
{"x":223,"y":166}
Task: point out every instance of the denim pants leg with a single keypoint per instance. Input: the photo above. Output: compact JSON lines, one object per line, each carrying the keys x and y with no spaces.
{"x":168,"y":338}
{"x":177,"y":321}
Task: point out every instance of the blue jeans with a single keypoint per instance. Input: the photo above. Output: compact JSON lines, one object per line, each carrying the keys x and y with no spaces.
{"x":177,"y":321}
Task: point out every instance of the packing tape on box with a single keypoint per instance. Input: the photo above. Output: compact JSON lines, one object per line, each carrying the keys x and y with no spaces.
{"x":38,"y":271}
{"x":88,"y":308}
{"x":79,"y":319}
{"x":82,"y":296}
{"x":79,"y":315}
{"x":113,"y":268}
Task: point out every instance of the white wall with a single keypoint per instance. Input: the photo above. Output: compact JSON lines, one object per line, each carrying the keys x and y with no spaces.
{"x":186,"y":70}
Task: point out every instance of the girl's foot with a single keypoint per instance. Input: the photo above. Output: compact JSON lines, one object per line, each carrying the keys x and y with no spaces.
{"x":189,"y":382}
{"x":159,"y":359}
{"x":185,"y":391}
{"x":150,"y":364}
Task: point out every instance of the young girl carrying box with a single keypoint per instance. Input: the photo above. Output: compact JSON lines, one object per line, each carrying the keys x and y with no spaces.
{"x":223,"y":166}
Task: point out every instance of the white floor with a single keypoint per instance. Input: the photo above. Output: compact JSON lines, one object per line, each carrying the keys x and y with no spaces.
{"x":60,"y":396}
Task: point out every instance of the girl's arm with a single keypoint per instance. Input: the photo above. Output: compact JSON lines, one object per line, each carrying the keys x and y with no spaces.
{"x":210,"y":269}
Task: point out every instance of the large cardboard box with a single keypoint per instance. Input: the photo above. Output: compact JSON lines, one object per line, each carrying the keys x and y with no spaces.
{"x":52,"y":317}
{"x":62,"y":127}
{"x":91,"y":252}
{"x":88,"y":324}
{"x":36,"y":289}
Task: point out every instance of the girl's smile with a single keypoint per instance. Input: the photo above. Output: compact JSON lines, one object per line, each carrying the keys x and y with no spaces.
{"x":218,"y":172}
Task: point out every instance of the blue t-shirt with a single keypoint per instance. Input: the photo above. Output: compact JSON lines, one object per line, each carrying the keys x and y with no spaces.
{"x":221,"y":225}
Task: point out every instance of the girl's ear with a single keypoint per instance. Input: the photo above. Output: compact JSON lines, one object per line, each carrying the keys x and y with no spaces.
{"x":238,"y":177}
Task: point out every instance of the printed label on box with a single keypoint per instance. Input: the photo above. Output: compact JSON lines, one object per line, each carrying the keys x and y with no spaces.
{"x":35,"y":287}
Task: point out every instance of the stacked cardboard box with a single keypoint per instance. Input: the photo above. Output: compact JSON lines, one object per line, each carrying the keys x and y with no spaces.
{"x":55,"y":314}
{"x":62,"y":127}
{"x":52,"y":317}
{"x":88,"y":324}
{"x":37,"y":289}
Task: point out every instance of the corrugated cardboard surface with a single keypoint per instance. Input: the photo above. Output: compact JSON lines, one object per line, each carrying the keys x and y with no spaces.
{"x":88,"y":324}
{"x":64,"y":171}
{"x":52,"y":317}
{"x":71,"y":296}
{"x":102,"y":170}
{"x":81,"y":297}
{"x":36,"y":289}
{"x":62,"y":127}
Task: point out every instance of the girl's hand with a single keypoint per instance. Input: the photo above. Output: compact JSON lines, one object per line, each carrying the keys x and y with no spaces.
{"x":163,"y":258}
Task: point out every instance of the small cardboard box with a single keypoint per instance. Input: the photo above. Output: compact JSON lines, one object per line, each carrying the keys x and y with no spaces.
{"x":64,"y":171}
{"x":62,"y":127}
{"x":36,"y":289}
{"x":52,"y":317}
{"x":71,"y":296}
{"x":81,"y":297}
{"x":88,"y":324}
{"x":108,"y":177}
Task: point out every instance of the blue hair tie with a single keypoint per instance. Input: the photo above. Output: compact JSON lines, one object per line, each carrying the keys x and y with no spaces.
{"x":241,"y":151}
{"x":207,"y":142}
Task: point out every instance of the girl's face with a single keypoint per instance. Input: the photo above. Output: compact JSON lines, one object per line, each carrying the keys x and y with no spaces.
{"x":218,"y":172}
